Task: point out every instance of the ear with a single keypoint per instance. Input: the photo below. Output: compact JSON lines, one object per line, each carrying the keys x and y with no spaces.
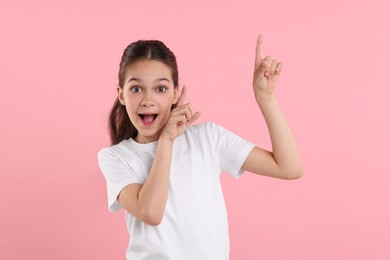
{"x":176,"y":95}
{"x":120,"y":95}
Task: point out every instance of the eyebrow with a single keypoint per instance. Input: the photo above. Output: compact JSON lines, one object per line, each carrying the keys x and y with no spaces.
{"x":139,"y":80}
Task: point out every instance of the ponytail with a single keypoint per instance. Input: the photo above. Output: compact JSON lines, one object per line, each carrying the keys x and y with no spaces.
{"x":119,"y":124}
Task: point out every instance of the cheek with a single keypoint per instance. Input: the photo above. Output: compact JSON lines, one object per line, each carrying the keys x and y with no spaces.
{"x":131,"y":102}
{"x":130,"y":113}
{"x":163,"y":101}
{"x":130,"y":108}
{"x":166,"y":108}
{"x":168,"y":105}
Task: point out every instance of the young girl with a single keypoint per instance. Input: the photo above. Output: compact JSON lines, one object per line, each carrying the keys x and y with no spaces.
{"x":165,"y":172}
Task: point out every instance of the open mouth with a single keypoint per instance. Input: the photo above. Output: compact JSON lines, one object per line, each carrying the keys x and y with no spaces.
{"x":148,"y":119}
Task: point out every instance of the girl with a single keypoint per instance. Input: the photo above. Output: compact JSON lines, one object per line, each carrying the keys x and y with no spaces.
{"x":164,"y":171}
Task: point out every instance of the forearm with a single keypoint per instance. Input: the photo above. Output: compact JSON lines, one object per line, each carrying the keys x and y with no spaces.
{"x":284,"y":148}
{"x":153,"y":195}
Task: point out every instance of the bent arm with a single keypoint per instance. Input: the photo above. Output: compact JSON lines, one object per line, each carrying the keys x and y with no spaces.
{"x":284,"y":161}
{"x":147,"y":202}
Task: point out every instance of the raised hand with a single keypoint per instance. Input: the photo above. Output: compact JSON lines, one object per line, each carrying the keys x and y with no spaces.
{"x":267,"y":71}
{"x":181,"y":117}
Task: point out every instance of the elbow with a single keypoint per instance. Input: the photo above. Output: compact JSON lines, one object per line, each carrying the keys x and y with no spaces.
{"x":153,"y":222}
{"x":151,"y":218}
{"x":294,"y":174}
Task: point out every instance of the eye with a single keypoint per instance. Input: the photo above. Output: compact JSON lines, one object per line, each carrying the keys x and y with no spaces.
{"x":135,"y":89}
{"x":161,"y":89}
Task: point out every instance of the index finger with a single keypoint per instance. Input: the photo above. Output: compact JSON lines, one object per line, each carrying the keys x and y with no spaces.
{"x":259,"y":53}
{"x":182,"y":97}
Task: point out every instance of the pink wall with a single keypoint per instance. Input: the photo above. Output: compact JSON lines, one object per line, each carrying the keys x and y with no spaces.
{"x":58,"y":65}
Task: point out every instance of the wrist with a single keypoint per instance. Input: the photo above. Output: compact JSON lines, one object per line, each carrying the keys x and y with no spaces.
{"x":166,"y":138}
{"x":264,"y":97}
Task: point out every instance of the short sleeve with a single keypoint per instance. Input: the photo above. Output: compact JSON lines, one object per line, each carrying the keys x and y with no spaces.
{"x":117,"y":176}
{"x":231,"y":149}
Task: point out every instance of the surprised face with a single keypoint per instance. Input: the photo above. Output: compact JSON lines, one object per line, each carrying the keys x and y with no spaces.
{"x":148,"y":95}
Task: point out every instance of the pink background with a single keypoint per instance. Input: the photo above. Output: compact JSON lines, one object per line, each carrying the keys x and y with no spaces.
{"x":59,"y":63}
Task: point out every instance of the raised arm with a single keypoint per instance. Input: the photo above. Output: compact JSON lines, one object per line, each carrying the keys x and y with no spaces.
{"x":147,"y":202}
{"x":284,"y":161}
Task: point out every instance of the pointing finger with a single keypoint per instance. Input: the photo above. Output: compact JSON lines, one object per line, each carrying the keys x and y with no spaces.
{"x":182,"y":97}
{"x":259,"y":53}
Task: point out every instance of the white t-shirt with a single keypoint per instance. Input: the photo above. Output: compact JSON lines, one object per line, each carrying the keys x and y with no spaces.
{"x":194,"y":226}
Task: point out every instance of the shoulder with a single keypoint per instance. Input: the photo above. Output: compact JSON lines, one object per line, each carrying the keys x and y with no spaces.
{"x":196,"y":131}
{"x":205,"y":128}
{"x":114,"y":151}
{"x":204,"y":133}
{"x":210,"y":129}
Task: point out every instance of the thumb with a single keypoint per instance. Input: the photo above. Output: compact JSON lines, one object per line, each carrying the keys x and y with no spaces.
{"x":262,"y":68}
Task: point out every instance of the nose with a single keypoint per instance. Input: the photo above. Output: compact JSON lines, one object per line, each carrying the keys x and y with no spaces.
{"x":147,"y":101}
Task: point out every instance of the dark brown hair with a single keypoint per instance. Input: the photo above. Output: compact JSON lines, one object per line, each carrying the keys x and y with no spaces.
{"x":120,"y":125}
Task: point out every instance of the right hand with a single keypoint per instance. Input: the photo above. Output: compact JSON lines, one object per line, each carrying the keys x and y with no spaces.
{"x":181,"y":117}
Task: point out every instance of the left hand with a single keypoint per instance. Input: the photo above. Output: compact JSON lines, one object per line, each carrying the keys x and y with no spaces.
{"x":267,"y":71}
